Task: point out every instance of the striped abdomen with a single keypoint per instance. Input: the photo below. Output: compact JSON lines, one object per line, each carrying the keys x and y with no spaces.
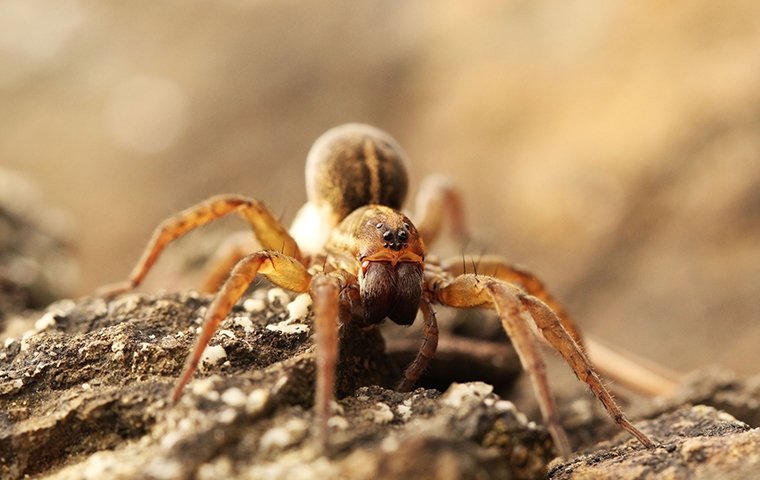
{"x":354,"y":165}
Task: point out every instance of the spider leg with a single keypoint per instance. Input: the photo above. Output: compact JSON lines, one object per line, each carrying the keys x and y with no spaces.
{"x":552,"y":329}
{"x":474,"y":291}
{"x":497,"y":267}
{"x":267,"y":229}
{"x":636,"y":374}
{"x":234,"y":247}
{"x":325,"y":291}
{"x":283,"y":270}
{"x":437,"y":198}
{"x":426,"y":351}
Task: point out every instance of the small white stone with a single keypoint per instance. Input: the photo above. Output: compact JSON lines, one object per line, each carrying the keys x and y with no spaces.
{"x":234,"y":397}
{"x":244,"y":322}
{"x":99,"y":465}
{"x":118,"y":346}
{"x":45,"y":321}
{"x":389,"y":444}
{"x":126,"y":304}
{"x":382,"y":413}
{"x":219,"y":468}
{"x":277,"y":438}
{"x":8,"y":342}
{"x":404,"y":411}
{"x":336,"y":407}
{"x":185,"y":424}
{"x":25,"y":341}
{"x":256,"y":401}
{"x":203,"y":386}
{"x":170,"y":439}
{"x":86,"y":387}
{"x":227,"y":333}
{"x":279,"y":384}
{"x":338,"y":422}
{"x":459,"y":392}
{"x":63,"y":308}
{"x":17,"y":383}
{"x":212,"y":355}
{"x":288,"y":328}
{"x":505,"y":406}
{"x":254,"y":305}
{"x":158,"y":468}
{"x":278,"y":295}
{"x":299,"y":307}
{"x":228,"y":415}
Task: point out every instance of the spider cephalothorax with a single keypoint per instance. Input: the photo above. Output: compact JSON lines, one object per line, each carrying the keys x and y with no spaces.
{"x":383,"y":246}
{"x":361,"y":259}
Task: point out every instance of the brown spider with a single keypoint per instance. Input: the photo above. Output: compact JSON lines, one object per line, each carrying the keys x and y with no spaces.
{"x":362,"y":260}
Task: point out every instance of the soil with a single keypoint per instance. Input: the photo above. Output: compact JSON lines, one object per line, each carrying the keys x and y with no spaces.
{"x":84,"y":394}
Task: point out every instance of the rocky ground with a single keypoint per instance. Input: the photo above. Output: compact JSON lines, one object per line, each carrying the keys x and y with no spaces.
{"x":83,"y":394}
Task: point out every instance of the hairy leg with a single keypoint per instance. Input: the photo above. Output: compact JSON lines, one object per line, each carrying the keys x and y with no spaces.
{"x":325,"y":290}
{"x":267,"y":229}
{"x":475,"y":291}
{"x":636,"y":374}
{"x":497,"y":267}
{"x":234,"y":247}
{"x":516,"y":309}
{"x":438,"y":198}
{"x":282,"y":270}
{"x":426,"y":351}
{"x":555,"y":333}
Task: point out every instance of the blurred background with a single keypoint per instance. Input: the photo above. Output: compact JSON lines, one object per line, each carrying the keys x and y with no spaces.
{"x":612,"y":147}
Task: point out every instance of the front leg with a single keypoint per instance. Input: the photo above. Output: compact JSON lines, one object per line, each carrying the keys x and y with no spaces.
{"x":267,"y":229}
{"x":325,"y":292}
{"x":498,"y":267}
{"x":552,"y":329}
{"x":426,"y":350}
{"x":516,"y":309}
{"x":474,"y":291}
{"x":280,"y":269}
{"x":647,"y":379}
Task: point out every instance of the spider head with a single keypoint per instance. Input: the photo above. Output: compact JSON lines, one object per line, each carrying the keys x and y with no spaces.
{"x":390,"y":254}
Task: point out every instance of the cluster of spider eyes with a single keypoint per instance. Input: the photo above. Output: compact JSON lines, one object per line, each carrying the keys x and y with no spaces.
{"x":396,"y":240}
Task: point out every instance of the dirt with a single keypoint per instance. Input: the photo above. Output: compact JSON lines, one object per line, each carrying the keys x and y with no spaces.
{"x":84,"y":394}
{"x":86,"y":391}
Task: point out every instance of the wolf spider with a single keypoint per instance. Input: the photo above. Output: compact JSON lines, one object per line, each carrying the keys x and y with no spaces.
{"x":362,"y":260}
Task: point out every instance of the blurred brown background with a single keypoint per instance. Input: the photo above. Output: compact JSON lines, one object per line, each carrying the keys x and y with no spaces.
{"x":612,"y":147}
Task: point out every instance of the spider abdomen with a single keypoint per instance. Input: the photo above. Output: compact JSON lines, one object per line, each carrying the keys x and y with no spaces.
{"x":355,"y":165}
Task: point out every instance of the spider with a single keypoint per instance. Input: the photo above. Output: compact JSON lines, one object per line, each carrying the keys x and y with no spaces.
{"x":362,"y":260}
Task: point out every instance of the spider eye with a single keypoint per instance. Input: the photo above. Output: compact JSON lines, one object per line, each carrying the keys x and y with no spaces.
{"x":379,"y":226}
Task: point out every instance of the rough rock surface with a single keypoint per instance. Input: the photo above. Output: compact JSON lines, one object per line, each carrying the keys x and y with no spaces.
{"x":83,"y":394}
{"x":694,"y":442}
